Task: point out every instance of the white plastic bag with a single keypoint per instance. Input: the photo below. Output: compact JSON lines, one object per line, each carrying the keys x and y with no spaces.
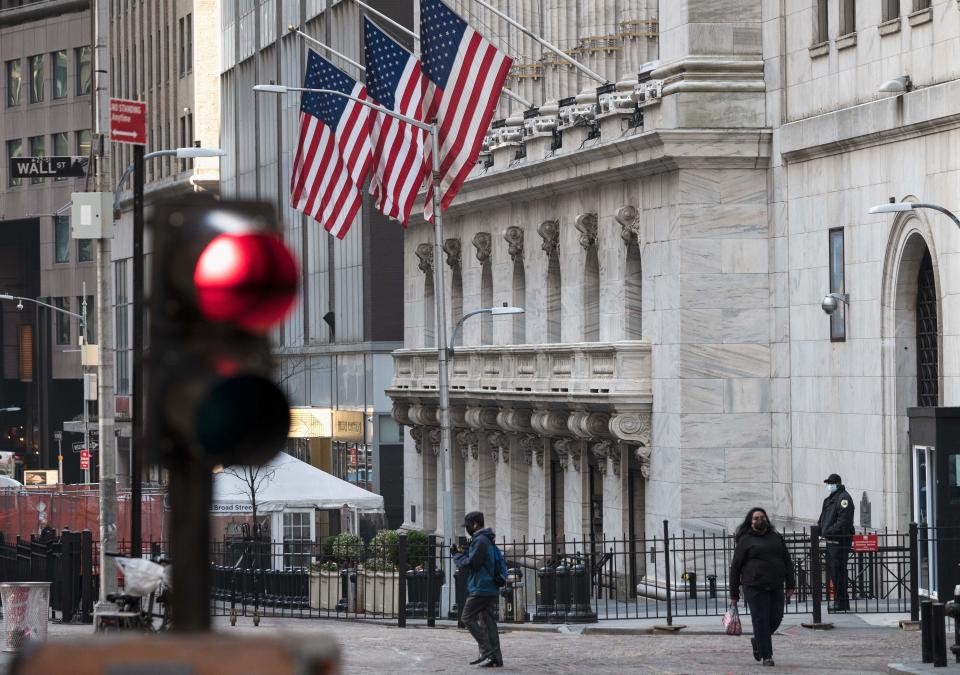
{"x":141,"y":577}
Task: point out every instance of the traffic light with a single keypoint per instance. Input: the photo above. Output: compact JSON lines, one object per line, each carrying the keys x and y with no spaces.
{"x":221,"y":279}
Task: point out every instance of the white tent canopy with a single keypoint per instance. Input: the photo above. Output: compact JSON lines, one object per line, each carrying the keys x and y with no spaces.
{"x":290,"y":484}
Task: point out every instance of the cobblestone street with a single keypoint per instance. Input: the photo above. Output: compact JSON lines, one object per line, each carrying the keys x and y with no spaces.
{"x":382,"y":649}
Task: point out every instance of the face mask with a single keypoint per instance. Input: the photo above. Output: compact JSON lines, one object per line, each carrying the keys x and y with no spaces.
{"x":833,"y":487}
{"x":760,"y":526}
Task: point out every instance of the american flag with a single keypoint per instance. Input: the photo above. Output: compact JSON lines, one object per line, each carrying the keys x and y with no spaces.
{"x":396,"y":81}
{"x":333,"y":156}
{"x":466,"y":74}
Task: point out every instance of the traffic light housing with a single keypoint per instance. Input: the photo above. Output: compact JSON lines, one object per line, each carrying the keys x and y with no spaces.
{"x":221,"y":279}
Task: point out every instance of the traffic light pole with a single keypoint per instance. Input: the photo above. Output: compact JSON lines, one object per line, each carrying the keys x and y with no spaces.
{"x":136,"y":434}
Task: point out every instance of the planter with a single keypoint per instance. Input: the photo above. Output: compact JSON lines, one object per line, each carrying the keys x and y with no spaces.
{"x":325,"y":590}
{"x":381,"y":592}
{"x":417,"y":593}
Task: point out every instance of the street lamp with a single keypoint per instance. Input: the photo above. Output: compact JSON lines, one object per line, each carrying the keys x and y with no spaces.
{"x":494,"y":311}
{"x":12,"y":408}
{"x":900,"y":207}
{"x":446,"y":440}
{"x":136,"y":384}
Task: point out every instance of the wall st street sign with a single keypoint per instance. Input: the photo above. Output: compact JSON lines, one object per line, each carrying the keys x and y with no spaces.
{"x":48,"y":167}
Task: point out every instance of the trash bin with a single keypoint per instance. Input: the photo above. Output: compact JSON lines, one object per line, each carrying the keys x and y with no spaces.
{"x":25,"y":608}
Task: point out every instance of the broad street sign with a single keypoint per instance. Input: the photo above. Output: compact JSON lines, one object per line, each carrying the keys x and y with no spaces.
{"x":128,"y":121}
{"x":48,"y":167}
{"x":78,"y":447}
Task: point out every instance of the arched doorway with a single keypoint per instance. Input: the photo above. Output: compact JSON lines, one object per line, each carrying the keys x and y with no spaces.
{"x":911,"y":354}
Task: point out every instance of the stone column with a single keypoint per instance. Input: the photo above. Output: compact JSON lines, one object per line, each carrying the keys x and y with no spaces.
{"x":433,"y":435}
{"x":486,"y":480}
{"x":538,"y":485}
{"x":611,"y":458}
{"x":576,"y":510}
{"x":461,"y":454}
{"x":413,"y":479}
{"x":500,"y":455}
{"x":471,"y":472}
{"x":426,"y":516}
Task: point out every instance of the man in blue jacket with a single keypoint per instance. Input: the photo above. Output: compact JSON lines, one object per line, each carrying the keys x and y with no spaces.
{"x":481,"y":608}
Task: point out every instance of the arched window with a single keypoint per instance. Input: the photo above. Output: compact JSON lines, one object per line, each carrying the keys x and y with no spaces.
{"x":429,"y":313}
{"x":549,"y":231}
{"x":587,"y":224}
{"x":928,"y":367}
{"x":454,"y":259}
{"x":633,"y":292}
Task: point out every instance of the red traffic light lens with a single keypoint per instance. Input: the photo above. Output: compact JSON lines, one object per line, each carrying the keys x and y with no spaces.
{"x":249,"y":280}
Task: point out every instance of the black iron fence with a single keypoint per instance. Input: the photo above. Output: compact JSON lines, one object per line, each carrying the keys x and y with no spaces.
{"x":399,"y":578}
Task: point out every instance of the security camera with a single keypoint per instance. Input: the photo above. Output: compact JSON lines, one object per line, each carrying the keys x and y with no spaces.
{"x":20,"y":305}
{"x":832,"y":301}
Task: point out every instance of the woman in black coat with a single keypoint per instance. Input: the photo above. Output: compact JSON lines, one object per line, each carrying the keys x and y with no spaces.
{"x":762,"y":565}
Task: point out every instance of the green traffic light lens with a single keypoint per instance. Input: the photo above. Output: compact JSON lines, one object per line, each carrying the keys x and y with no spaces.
{"x":243,"y":420}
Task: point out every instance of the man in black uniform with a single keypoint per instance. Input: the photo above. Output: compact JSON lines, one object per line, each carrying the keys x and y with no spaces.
{"x":836,"y":527}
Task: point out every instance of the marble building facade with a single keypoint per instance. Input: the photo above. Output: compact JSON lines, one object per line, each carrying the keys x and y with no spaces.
{"x":670,"y":241}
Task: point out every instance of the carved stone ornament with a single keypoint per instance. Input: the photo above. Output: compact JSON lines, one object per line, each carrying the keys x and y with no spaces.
{"x":532,"y":446}
{"x":467,"y":442}
{"x":588,"y":425}
{"x":417,"y":433}
{"x":587,"y":224}
{"x":482,"y":241}
{"x":514,"y":419}
{"x":606,"y":450}
{"x":401,"y":412}
{"x":514,"y":237}
{"x":549,"y":423}
{"x":549,"y":231}
{"x":568,"y":452}
{"x":423,"y":415}
{"x":452,"y":248}
{"x":425,"y":253}
{"x":631,"y":427}
{"x":643,"y":456}
{"x":435,"y":437}
{"x":481,"y":418}
{"x":629,"y":219}
{"x":498,"y":443}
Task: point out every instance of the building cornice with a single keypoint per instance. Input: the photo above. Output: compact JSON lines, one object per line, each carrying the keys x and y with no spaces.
{"x":40,"y":10}
{"x":634,"y":156}
{"x":887,"y":120}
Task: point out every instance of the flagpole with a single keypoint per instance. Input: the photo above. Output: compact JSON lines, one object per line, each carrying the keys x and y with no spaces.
{"x":446,"y":440}
{"x":415,"y":36}
{"x":562,"y":54}
{"x":293,"y":29}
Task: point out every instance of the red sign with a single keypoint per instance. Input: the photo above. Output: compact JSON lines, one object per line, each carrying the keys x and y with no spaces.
{"x":84,"y":459}
{"x":865,"y":543}
{"x":128,"y":121}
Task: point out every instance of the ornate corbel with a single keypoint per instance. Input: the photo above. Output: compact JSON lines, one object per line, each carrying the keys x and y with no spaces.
{"x":423,"y":415}
{"x":417,"y":433}
{"x":482,"y":241}
{"x":425,"y":253}
{"x":498,"y":443}
{"x":549,"y":423}
{"x":401,"y":413}
{"x":514,"y":419}
{"x":549,"y":231}
{"x":467,"y":442}
{"x":435,"y":437}
{"x":588,"y":425}
{"x":481,"y":418}
{"x":514,"y":237}
{"x":532,"y":446}
{"x":454,"y":257}
{"x":606,"y":450}
{"x":631,"y":427}
{"x":629,"y":219}
{"x":568,"y":452}
{"x":643,"y":456}
{"x":587,"y":224}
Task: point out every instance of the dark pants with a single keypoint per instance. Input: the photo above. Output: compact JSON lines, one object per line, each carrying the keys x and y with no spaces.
{"x":766,"y":613}
{"x":480,"y":618}
{"x":837,"y":555}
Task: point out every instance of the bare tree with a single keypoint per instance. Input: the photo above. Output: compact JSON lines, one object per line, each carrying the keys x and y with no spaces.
{"x":253,"y":479}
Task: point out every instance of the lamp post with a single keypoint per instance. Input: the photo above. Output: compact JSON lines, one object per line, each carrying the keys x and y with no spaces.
{"x":900,"y":207}
{"x":446,"y":441}
{"x":495,"y":311}
{"x":136,"y":384}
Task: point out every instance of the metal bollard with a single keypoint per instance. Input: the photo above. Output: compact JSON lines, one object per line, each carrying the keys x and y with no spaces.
{"x":691,"y":579}
{"x":939,"y":636}
{"x":712,"y":586}
{"x":926,"y":644}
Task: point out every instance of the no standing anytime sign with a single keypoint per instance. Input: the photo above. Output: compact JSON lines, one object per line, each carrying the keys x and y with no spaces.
{"x":128,"y":121}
